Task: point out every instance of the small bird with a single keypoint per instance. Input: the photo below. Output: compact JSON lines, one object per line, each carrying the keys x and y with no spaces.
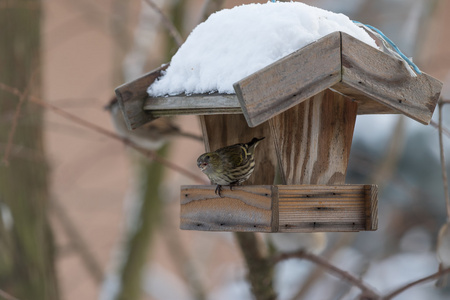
{"x":230,"y":165}
{"x":443,"y":253}
{"x":151,"y":136}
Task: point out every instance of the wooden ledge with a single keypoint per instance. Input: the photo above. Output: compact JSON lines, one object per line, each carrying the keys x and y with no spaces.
{"x":280,"y":208}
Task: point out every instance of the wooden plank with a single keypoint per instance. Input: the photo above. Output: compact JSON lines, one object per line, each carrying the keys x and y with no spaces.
{"x":313,"y":139}
{"x":246,"y":208}
{"x":368,"y":72}
{"x":279,"y":208}
{"x":371,"y":207}
{"x":290,"y":80}
{"x":204,"y":104}
{"x":131,"y":97}
{"x":318,"y":208}
{"x":216,"y":104}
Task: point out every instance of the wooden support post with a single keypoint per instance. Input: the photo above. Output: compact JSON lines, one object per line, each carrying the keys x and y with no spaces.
{"x":313,"y":139}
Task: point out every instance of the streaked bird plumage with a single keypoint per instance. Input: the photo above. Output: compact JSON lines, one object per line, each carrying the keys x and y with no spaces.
{"x":230,"y":165}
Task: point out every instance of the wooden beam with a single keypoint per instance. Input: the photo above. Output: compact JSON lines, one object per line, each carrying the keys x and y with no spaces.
{"x":290,"y":80}
{"x":368,"y":73}
{"x":280,"y":208}
{"x":131,"y":97}
{"x":216,"y":104}
{"x":204,"y":104}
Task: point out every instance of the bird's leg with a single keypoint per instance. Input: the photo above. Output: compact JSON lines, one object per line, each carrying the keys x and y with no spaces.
{"x":233,"y":184}
{"x":218,"y":190}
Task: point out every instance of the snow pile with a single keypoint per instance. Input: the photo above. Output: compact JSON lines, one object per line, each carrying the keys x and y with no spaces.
{"x":234,"y":43}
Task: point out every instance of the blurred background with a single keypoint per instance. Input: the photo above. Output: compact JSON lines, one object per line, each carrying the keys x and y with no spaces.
{"x":82,"y":216}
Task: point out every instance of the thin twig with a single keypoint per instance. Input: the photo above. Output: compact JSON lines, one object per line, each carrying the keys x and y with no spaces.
{"x":414,"y":283}
{"x":444,"y":130}
{"x":167,"y":23}
{"x":91,"y":264}
{"x":443,"y":165}
{"x":367,"y":291}
{"x":7,"y":296}
{"x":12,"y":131}
{"x":147,"y":153}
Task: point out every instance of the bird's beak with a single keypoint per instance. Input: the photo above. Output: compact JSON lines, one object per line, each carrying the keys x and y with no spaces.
{"x":202,"y":166}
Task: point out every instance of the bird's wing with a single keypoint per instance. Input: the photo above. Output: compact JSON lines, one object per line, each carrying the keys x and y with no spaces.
{"x":233,"y":156}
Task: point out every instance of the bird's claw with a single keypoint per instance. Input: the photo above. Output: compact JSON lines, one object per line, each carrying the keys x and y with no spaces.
{"x":218,"y":190}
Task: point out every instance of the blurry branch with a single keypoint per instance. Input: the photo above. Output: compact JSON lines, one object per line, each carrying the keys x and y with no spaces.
{"x":147,"y":153}
{"x":22,"y":98}
{"x":77,"y":241}
{"x":368,"y":292}
{"x":181,"y":259}
{"x":7,"y":296}
{"x":167,"y":23}
{"x":443,"y":165}
{"x":345,"y":239}
{"x":414,"y":283}
{"x":209,"y":7}
{"x":260,"y":269}
{"x":444,"y":130}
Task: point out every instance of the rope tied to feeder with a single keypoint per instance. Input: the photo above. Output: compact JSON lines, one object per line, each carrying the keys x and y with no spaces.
{"x":393,"y":50}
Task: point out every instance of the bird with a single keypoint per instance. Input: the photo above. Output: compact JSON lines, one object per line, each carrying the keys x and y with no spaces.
{"x":151,"y":136}
{"x":443,"y":253}
{"x":230,"y":165}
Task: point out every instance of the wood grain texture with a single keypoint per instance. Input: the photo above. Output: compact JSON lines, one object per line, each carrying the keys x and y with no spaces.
{"x":290,"y":80}
{"x":279,"y":208}
{"x":131,"y":97}
{"x":371,"y":207}
{"x":324,"y":208}
{"x":204,"y":104}
{"x":368,"y":72}
{"x":313,"y":139}
{"x":246,"y":208}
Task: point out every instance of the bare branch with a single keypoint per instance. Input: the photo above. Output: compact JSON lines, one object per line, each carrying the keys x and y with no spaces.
{"x":147,"y":153}
{"x":414,"y":283}
{"x":443,"y":165}
{"x":22,"y":98}
{"x":444,"y":130}
{"x":91,"y":264}
{"x":167,"y":23}
{"x":367,"y":292}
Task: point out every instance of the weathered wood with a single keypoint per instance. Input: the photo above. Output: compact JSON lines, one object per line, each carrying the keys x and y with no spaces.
{"x":290,"y":80}
{"x":279,"y":208}
{"x":313,"y":139}
{"x":131,"y":97}
{"x":204,"y":104}
{"x":367,"y":72}
{"x":246,"y":208}
{"x":325,"y":208}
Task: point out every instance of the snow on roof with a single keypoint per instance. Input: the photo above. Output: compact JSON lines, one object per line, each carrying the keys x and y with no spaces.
{"x":234,"y":43}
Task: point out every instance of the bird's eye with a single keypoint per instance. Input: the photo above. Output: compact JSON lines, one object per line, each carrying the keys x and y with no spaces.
{"x":207,"y":156}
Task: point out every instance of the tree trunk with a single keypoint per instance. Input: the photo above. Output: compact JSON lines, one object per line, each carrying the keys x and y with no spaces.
{"x":26,"y":245}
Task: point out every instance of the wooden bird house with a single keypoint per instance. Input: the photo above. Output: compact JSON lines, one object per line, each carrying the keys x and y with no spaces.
{"x":305,"y":104}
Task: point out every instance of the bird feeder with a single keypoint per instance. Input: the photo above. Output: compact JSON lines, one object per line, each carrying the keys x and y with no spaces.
{"x":305,"y":104}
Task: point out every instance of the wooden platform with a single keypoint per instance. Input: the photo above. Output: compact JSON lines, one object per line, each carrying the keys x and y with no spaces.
{"x":280,"y":208}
